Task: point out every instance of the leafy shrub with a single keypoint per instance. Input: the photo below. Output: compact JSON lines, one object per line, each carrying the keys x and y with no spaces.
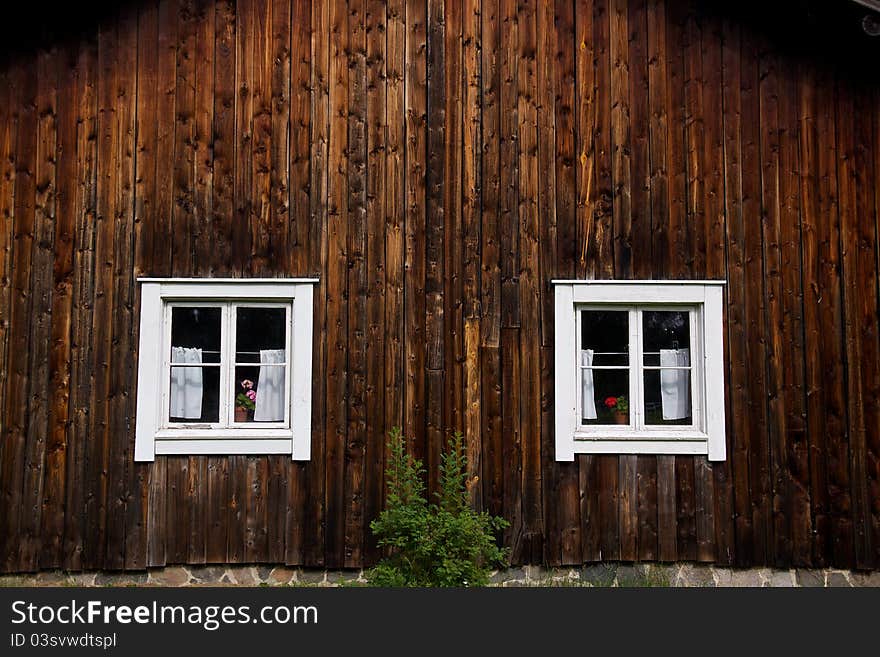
{"x":441,"y":543}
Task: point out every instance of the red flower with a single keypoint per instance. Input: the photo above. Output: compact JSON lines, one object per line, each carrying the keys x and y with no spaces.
{"x":611,"y":402}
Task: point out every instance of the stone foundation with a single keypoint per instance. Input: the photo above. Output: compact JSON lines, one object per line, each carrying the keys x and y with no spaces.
{"x":602,"y":575}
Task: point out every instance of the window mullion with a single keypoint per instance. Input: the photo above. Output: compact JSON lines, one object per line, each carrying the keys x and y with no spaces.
{"x":165,"y":400}
{"x":697,"y":368}
{"x":635,"y":368}
{"x":227,"y":374}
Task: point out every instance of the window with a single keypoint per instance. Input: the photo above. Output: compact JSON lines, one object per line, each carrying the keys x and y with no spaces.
{"x":639,"y":368}
{"x":224,"y":367}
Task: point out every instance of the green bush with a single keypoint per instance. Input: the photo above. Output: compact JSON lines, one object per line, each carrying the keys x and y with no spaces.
{"x":442,"y":543}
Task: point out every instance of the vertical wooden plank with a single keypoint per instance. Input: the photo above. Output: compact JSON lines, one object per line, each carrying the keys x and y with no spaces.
{"x":395,"y":211}
{"x":608,"y":481}
{"x":628,"y":509}
{"x":511,"y":457}
{"x":658,"y":135}
{"x":686,"y":532}
{"x":276,"y":508}
{"x":183,"y":163}
{"x":237,"y":512}
{"x":756,"y":410}
{"x":358,"y":265}
{"x":646,"y":478}
{"x":197,"y":492}
{"x":415,"y":90}
{"x":858,"y":262}
{"x":873,"y":438}
{"x":770,"y":225}
{"x":675,"y":260}
{"x":81,"y":331}
{"x":595,"y":185}
{"x":639,"y":125}
{"x":827,"y":295}
{"x":621,"y":145}
{"x":98,"y":451}
{"x":256,"y":536}
{"x":737,"y":400}
{"x":8,"y":120}
{"x":223,"y":140}
{"x":8,"y":125}
{"x":241,"y":243}
{"x":215,"y":516}
{"x":490,"y":270}
{"x":590,"y":496}
{"x":667,"y":515}
{"x":299,"y":53}
{"x":337,"y":293}
{"x":281,"y":139}
{"x":435,"y":239}
{"x":694,"y":129}
{"x":40,"y":314}
{"x":121,"y":407}
{"x":793,"y":355}
{"x":809,"y":185}
{"x":453,"y":236}
{"x":204,"y":227}
{"x":313,"y":523}
{"x":565,"y":122}
{"x":261,"y":223}
{"x":375,"y":265}
{"x":178,"y":519}
{"x":528,"y":283}
{"x":704,"y":494}
{"x":472,"y":182}
{"x":555,"y":506}
{"x":508,"y":222}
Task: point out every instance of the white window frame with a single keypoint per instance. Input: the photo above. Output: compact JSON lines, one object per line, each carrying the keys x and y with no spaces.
{"x":704,"y":301}
{"x":156,"y":435}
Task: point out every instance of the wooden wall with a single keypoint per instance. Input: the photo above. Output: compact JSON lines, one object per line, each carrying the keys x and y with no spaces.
{"x":436,"y":164}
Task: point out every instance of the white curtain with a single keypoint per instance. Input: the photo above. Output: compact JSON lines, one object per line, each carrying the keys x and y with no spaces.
{"x":675,"y":384}
{"x":588,"y":403}
{"x":186,"y":384}
{"x":270,"y":388}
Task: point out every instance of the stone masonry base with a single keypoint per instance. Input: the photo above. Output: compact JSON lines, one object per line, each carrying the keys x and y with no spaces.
{"x":603,"y":575}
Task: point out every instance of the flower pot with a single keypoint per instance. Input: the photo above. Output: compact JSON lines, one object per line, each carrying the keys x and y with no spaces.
{"x":241,"y":414}
{"x":620,"y":417}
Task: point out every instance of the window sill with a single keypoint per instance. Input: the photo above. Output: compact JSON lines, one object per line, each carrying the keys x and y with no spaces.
{"x":223,"y":441}
{"x":689,"y":445}
{"x":264,"y":433}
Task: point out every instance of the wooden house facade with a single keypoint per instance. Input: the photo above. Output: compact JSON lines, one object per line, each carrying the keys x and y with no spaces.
{"x":435,"y":165}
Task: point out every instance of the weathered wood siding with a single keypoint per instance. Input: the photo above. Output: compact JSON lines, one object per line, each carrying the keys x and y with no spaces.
{"x":436,"y":164}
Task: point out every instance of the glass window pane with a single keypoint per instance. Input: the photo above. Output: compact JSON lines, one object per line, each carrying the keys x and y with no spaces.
{"x":668,"y":397}
{"x":606,"y":334}
{"x":195,"y":334}
{"x":664,"y":332}
{"x":194,"y":394}
{"x":259,"y":392}
{"x":604,"y":397}
{"x":259,"y":330}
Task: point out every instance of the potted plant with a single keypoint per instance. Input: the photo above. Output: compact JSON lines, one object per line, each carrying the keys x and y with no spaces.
{"x":245,"y":401}
{"x":619,"y":408}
